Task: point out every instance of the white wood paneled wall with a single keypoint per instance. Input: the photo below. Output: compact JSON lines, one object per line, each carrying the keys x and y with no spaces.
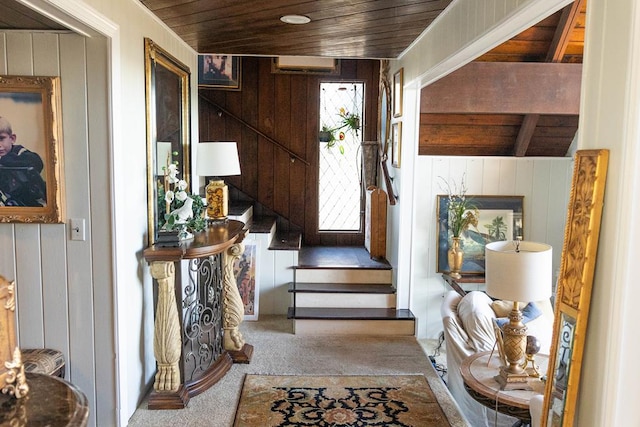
{"x":64,"y":287}
{"x":545,"y":184}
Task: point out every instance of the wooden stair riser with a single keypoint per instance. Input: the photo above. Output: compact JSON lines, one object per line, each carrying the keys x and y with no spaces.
{"x":323,"y":275}
{"x":353,"y":327}
{"x":342,"y":300}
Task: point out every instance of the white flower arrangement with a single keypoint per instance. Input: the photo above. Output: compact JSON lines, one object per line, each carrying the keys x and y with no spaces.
{"x":177,"y":208}
{"x":462,"y":212}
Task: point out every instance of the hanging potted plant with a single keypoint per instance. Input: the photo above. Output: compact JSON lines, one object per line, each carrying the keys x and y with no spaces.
{"x":326,"y":134}
{"x":348,"y":121}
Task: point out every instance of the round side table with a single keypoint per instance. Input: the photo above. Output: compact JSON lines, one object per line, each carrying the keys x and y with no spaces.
{"x":51,"y":401}
{"x":478,"y":372}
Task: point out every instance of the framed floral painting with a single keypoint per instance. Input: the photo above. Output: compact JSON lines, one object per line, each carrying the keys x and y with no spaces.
{"x":500,"y":218}
{"x":246,"y":272}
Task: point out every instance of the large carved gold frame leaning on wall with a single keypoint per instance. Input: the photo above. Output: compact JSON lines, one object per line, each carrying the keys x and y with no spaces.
{"x":12,"y":378}
{"x":167,"y":108}
{"x":574,"y":286}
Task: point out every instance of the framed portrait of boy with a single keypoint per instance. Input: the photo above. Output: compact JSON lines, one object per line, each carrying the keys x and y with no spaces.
{"x":31,"y":157}
{"x":219,"y":72}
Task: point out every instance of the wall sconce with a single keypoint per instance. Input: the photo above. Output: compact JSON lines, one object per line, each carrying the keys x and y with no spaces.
{"x":217,"y":159}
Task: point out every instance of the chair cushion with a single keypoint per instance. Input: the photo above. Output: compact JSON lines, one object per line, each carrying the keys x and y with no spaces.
{"x":477,"y":316}
{"x":43,"y":361}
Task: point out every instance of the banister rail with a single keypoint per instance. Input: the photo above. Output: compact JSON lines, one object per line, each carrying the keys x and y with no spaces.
{"x":262,"y":134}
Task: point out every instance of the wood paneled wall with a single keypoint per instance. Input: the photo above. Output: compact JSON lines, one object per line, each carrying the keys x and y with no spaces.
{"x":285,"y":107}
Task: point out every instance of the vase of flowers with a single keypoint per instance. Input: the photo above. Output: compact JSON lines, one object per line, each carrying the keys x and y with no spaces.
{"x":178,"y":209}
{"x":462,"y":215}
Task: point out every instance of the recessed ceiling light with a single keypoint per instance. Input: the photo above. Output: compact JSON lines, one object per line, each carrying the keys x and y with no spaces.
{"x":295,"y":19}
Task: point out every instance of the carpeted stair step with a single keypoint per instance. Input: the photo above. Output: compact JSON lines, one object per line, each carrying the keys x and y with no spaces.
{"x":352,"y":321}
{"x":343,"y":295}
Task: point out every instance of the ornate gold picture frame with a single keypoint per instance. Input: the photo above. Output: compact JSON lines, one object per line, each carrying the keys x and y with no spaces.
{"x":12,"y":377}
{"x":574,"y":286}
{"x":31,"y":161}
{"x":168,"y":136}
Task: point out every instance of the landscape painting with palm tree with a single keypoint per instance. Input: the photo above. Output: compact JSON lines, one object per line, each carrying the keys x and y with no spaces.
{"x":499,"y":218}
{"x":493,"y":225}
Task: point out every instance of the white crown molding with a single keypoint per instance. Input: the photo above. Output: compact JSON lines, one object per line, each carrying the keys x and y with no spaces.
{"x":76,"y":15}
{"x":520,"y":19}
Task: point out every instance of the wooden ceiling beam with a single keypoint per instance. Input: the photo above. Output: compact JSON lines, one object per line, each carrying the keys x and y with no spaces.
{"x":527,"y":129}
{"x":566,"y":25}
{"x":557,"y":49}
{"x":507,"y":88}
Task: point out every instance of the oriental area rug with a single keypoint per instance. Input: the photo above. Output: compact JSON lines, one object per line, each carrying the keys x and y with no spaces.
{"x":354,"y":401}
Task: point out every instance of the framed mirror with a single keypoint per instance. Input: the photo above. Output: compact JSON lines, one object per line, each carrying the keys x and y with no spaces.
{"x":574,"y":287}
{"x":167,"y":108}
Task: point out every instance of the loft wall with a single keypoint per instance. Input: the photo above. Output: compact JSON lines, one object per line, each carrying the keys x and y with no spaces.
{"x":285,"y":107}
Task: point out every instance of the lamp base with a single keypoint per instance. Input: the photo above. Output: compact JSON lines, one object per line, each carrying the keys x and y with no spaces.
{"x":217,"y":194}
{"x":511,"y":381}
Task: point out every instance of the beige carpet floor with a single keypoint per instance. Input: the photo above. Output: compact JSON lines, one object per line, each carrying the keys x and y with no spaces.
{"x":277,"y":351}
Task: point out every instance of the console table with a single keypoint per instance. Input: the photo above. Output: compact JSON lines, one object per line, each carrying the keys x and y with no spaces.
{"x":198,"y":312}
{"x":478,"y":372}
{"x":456,"y":284}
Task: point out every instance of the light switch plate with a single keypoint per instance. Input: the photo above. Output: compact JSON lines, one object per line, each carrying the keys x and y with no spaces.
{"x":77,"y":229}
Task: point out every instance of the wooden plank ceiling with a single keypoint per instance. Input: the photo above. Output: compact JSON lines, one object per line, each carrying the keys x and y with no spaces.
{"x":16,"y":16}
{"x":510,"y":106}
{"x":338,"y":28}
{"x":383,"y":29}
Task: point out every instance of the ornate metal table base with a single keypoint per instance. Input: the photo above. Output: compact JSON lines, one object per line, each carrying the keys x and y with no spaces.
{"x":196,"y":337}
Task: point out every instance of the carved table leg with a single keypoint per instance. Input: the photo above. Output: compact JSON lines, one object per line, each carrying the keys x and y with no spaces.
{"x":233,"y":309}
{"x":167,"y":343}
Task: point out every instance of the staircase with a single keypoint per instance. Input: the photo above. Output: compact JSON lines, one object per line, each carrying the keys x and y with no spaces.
{"x":324,"y":290}
{"x":341,"y":291}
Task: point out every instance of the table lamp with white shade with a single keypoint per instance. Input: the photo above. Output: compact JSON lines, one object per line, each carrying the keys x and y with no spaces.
{"x":217,"y":159}
{"x":517,"y":271}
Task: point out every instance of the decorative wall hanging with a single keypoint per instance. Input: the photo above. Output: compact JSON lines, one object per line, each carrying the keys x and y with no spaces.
{"x":167,"y":101}
{"x":31,"y":155}
{"x":577,"y":267}
{"x":398,"y":84}
{"x":219,"y":72}
{"x":246,"y":271}
{"x":396,"y":144}
{"x":499,"y":218}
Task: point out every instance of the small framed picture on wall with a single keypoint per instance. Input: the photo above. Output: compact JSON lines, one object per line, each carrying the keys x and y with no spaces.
{"x":219,"y":72}
{"x":396,"y":144}
{"x":397,"y":92}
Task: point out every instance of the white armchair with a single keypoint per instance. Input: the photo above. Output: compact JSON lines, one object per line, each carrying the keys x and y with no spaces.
{"x":468,"y":329}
